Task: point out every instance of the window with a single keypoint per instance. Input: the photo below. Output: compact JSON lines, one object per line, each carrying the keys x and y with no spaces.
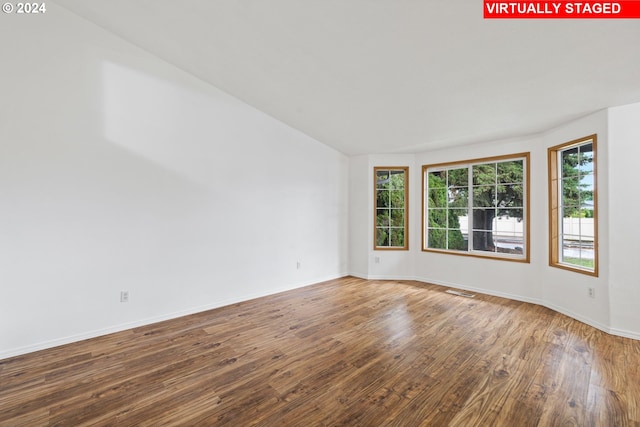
{"x":573,"y":207}
{"x":478,"y":207}
{"x":391,"y":207}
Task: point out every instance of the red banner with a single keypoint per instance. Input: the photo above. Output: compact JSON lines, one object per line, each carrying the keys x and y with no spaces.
{"x":624,"y":9}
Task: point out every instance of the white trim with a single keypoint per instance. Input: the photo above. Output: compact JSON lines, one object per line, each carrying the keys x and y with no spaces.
{"x":384,"y":277}
{"x":481,"y":291}
{"x":150,"y":320}
{"x":556,"y":308}
{"x":604,"y":328}
{"x":125,"y":326}
{"x":625,"y":334}
{"x":579,"y":318}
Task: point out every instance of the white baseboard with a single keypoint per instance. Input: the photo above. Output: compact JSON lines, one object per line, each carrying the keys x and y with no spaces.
{"x":150,"y":320}
{"x":625,"y":334}
{"x":583,"y":319}
{"x":384,"y":277}
{"x":481,"y":291}
{"x":556,"y":308}
{"x":143,"y":322}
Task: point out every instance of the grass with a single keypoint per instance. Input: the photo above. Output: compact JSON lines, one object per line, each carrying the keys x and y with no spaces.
{"x":580,"y":262}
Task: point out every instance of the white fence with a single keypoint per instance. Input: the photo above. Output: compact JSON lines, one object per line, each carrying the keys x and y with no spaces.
{"x":573,"y":228}
{"x":506,"y":227}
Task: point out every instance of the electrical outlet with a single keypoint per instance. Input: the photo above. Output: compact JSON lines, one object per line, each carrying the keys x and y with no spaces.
{"x":298,"y":265}
{"x":377,"y":260}
{"x":592,"y":292}
{"x":124,"y":296}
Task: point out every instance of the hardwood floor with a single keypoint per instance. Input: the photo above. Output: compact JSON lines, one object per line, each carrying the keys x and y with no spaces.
{"x":348,"y":352}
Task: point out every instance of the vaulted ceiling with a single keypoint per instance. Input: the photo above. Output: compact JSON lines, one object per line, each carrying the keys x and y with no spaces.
{"x":388,"y":76}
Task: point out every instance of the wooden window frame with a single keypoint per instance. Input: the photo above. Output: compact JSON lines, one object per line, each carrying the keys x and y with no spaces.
{"x":555,"y":238}
{"x":405,"y":170}
{"x":525,"y":257}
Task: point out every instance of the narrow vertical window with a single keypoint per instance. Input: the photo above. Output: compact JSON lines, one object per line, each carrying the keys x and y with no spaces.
{"x":391,"y":207}
{"x":573,"y":225}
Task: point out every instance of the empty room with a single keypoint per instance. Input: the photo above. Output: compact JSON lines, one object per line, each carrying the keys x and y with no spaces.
{"x":322,"y":213}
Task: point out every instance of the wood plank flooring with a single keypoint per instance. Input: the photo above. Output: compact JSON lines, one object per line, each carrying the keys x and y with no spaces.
{"x":348,"y":352}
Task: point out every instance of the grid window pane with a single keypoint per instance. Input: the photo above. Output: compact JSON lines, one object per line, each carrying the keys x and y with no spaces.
{"x":570,"y":192}
{"x":382,"y":198}
{"x":438,"y":179}
{"x":397,"y":217}
{"x":578,"y":254}
{"x":397,"y":198}
{"x":390,"y":208}
{"x":586,"y":188}
{"x":438,"y":197}
{"x":509,"y":213}
{"x":382,"y":236}
{"x":456,"y":240}
{"x":509,"y":242}
{"x":484,"y":196}
{"x":382,"y":218}
{"x":396,"y":237}
{"x":438,"y":218}
{"x":382,"y":179}
{"x":455,"y":216}
{"x":484,"y":174}
{"x":570,"y":162}
{"x":510,"y":172}
{"x":437,"y":238}
{"x":510,"y":195}
{"x":458,"y":197}
{"x":574,"y":215}
{"x":396,"y":181}
{"x":483,"y":241}
{"x":586,"y":158}
{"x":486,"y":217}
{"x":458,"y":177}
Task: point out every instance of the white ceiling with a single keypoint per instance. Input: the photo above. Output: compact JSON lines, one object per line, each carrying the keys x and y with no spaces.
{"x":385,"y":76}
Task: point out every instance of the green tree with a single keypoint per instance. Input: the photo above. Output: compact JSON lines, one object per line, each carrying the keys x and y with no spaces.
{"x":448,"y":192}
{"x":497,"y":191}
{"x":577,"y":184}
{"x":390,"y":205}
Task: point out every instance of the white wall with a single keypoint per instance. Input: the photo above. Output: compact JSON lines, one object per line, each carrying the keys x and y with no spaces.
{"x":364,"y":261}
{"x":617,"y":289}
{"x":624,"y":262}
{"x":509,"y":279}
{"x":360,"y":235}
{"x":563,"y":290}
{"x":393,"y":264}
{"x":121,"y":172}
